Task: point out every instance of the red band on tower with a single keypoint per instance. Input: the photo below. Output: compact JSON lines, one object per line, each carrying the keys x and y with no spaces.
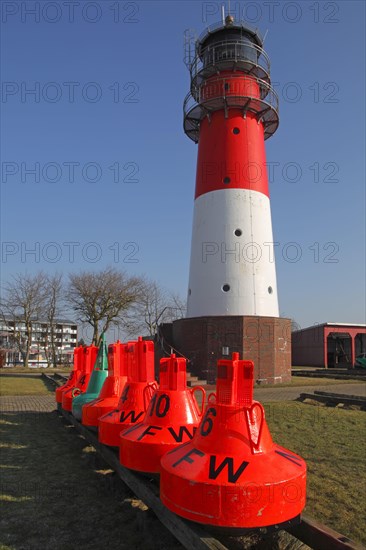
{"x":231,"y":152}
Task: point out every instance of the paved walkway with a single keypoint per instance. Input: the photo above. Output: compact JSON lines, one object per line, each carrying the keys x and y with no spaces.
{"x":46,"y":403}
{"x":27,"y":403}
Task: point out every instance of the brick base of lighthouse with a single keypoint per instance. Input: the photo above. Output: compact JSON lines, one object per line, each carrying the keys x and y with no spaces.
{"x":264,"y":340}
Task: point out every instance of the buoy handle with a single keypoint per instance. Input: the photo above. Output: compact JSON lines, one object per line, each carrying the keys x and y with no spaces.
{"x":200,"y":389}
{"x":148,"y":393}
{"x":212,"y":398}
{"x":255,"y":444}
{"x":75,"y":392}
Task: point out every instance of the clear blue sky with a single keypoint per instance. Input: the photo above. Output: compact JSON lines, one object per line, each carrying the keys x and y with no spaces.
{"x":136,"y":48}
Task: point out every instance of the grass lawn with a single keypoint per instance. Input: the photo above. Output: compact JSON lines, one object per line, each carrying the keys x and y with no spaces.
{"x":58,"y":495}
{"x":27,"y":385}
{"x":333,"y":443}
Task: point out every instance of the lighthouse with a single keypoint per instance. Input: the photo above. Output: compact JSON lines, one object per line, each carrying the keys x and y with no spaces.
{"x":230,"y":111}
{"x":232,"y":306}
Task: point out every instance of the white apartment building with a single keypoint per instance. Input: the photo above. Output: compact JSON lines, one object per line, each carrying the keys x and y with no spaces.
{"x":66,"y":333}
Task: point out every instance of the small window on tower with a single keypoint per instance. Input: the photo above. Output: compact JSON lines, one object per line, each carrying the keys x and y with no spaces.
{"x":227,"y":87}
{"x":236,"y":131}
{"x":226,"y":288}
{"x":238,"y":232}
{"x":270,"y":290}
{"x":227,"y":180}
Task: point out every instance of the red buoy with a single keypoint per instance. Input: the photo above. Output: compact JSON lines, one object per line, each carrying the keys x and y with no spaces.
{"x":231,"y":474}
{"x":81,"y":383}
{"x":136,"y":394}
{"x":171,"y":419}
{"x":112,"y":388}
{"x":74,"y":374}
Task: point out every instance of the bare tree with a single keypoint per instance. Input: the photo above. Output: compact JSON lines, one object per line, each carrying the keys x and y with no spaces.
{"x":22,"y":306}
{"x":178,"y":308}
{"x":100,"y":299}
{"x":54,"y":289}
{"x":153,"y":306}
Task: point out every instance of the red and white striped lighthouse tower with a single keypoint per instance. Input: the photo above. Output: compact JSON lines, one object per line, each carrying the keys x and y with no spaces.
{"x":230,"y":111}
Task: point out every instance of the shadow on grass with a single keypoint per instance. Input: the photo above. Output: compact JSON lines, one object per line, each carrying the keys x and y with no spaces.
{"x":57,"y":493}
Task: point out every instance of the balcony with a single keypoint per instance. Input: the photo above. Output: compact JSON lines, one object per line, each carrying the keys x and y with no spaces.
{"x":234,"y":92}
{"x":238,"y":55}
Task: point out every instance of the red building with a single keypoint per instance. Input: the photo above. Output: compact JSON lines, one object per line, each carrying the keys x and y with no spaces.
{"x":328,"y":345}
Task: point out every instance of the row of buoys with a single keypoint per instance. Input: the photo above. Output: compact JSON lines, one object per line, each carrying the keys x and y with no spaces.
{"x":217,"y":462}
{"x":84,"y":361}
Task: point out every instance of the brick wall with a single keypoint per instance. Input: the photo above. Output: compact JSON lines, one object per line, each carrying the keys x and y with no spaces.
{"x":264,"y":340}
{"x":308,"y":346}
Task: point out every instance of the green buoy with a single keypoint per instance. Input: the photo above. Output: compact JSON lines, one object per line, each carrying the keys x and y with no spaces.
{"x":98,"y":376}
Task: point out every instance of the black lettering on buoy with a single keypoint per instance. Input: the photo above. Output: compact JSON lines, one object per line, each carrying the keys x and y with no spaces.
{"x":124,"y":394}
{"x":148,"y":432}
{"x":131,"y":414}
{"x":132,"y":429}
{"x":179,"y":448}
{"x":152,"y":404}
{"x":229,"y":462}
{"x":111,"y":413}
{"x":162,"y":405}
{"x":207,"y":422}
{"x":187,"y":457}
{"x":289,"y":457}
{"x":182,"y":430}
